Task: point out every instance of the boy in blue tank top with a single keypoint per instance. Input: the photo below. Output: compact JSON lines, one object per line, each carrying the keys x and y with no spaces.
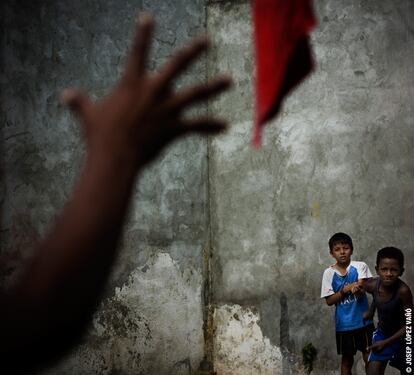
{"x":392,"y":298}
{"x":342,"y":287}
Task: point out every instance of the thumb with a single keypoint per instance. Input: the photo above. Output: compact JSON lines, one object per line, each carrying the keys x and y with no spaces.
{"x":78,"y":102}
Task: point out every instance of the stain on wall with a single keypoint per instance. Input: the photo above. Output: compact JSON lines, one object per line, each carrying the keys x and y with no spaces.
{"x":152,"y":325}
{"x":239,"y":345}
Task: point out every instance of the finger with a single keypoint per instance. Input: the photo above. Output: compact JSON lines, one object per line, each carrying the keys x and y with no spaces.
{"x":205,"y":125}
{"x":180,"y":61}
{"x":78,"y":102}
{"x":201,"y":92}
{"x":138,"y":56}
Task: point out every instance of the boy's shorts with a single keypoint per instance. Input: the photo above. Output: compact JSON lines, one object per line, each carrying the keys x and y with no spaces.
{"x":349,"y":342}
{"x":388,"y":353}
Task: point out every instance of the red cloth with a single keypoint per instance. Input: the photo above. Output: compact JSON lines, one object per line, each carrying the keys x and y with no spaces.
{"x":283,"y":56}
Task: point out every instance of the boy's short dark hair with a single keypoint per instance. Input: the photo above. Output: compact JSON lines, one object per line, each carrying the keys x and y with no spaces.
{"x":391,"y":253}
{"x":340,"y":238}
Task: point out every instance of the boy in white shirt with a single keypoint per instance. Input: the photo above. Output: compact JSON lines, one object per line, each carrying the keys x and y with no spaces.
{"x":342,"y":287}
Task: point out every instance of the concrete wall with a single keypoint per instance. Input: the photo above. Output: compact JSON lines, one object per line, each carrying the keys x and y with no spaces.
{"x":151,"y":320}
{"x":339,"y":158}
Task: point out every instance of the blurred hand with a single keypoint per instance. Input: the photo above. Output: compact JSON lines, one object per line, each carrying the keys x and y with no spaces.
{"x":143,"y":114}
{"x":49,"y":307}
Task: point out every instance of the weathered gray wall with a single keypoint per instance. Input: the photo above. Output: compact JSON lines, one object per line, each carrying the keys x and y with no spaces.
{"x":151,"y":320}
{"x":339,"y":158}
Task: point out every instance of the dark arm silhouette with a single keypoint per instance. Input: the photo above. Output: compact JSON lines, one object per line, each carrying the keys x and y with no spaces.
{"x":48,"y":308}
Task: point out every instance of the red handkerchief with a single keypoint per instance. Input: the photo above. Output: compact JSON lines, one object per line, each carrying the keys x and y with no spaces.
{"x":283,"y":56}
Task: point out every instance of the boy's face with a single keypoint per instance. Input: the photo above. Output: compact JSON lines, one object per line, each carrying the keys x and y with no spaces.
{"x":388,"y":270}
{"x":342,"y":253}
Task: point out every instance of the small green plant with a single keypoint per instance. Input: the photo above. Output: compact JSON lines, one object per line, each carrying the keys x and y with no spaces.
{"x":309,"y":353}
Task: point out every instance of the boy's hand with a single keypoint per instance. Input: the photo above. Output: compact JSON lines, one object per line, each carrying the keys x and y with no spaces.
{"x":143,"y":113}
{"x":377,"y":347}
{"x":346,"y":288}
{"x":367,"y":315}
{"x":349,"y":287}
{"x":357,"y":290}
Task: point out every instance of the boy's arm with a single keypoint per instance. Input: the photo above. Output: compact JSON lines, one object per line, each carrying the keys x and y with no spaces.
{"x":368,"y":284}
{"x":369,"y":314}
{"x":364,"y":274}
{"x":355,"y":288}
{"x":326,"y":287}
{"x":48,"y":308}
{"x":336,"y":297}
{"x":358,"y":288}
{"x":407,"y":302}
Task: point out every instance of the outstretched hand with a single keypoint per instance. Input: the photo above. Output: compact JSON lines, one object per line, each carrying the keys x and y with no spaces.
{"x":143,"y":114}
{"x":57,"y":293}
